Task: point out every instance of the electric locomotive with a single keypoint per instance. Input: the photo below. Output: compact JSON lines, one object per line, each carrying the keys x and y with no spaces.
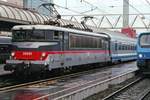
{"x":39,"y":48}
{"x":143,"y":51}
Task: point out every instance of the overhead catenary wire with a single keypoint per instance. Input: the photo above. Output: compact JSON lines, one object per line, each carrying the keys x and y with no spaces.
{"x":113,"y":14}
{"x":147,"y":2}
{"x":103,"y":11}
{"x":70,"y":9}
{"x":134,"y":8}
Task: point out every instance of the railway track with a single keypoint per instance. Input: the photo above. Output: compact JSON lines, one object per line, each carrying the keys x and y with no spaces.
{"x":49,"y":81}
{"x":136,"y":90}
{"x":79,"y":81}
{"x":8,"y":82}
{"x":146,"y":96}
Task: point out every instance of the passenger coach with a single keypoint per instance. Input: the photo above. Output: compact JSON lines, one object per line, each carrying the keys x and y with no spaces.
{"x":122,"y":47}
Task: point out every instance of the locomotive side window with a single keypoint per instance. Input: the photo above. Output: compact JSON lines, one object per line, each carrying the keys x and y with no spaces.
{"x":56,"y":35}
{"x":99,"y":43}
{"x":80,"y":41}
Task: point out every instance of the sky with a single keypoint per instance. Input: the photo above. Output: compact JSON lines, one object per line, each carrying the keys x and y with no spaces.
{"x":104,"y":6}
{"x":91,"y":7}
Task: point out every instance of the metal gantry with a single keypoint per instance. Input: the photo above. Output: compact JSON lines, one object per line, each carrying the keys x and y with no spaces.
{"x":14,"y":16}
{"x":114,"y":21}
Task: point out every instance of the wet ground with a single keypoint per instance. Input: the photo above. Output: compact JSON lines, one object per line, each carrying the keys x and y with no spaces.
{"x":35,"y":91}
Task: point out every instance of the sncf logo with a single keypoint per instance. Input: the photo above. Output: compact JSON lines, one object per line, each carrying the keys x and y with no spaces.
{"x":27,"y":53}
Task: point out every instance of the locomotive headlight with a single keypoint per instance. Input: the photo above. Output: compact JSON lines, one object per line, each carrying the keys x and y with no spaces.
{"x":43,"y":54}
{"x":13,"y":54}
{"x":140,"y":55}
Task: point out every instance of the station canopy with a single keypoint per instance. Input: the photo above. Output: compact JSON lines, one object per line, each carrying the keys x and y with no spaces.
{"x":15,"y":15}
{"x":12,"y":15}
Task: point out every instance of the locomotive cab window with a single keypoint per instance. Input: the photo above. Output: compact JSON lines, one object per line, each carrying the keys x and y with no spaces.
{"x":36,"y":35}
{"x":57,"y":35}
{"x":145,"y":40}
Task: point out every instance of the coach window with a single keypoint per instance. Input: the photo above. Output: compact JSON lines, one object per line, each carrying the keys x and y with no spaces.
{"x":126,"y":47}
{"x":115,"y":46}
{"x":123,"y":47}
{"x":133,"y":47}
{"x":130,"y":47}
{"x":120,"y":46}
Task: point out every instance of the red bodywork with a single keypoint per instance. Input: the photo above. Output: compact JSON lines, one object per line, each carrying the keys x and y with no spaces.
{"x":37,"y":55}
{"x":29,"y":55}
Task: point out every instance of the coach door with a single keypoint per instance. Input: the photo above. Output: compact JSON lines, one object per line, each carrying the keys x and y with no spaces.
{"x":105,"y":48}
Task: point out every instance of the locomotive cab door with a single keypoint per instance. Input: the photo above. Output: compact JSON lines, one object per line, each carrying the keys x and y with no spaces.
{"x":63,"y":47}
{"x":58,"y":35}
{"x":63,"y":41}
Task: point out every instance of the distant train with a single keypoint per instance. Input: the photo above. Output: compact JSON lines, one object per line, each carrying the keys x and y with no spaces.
{"x":39,"y":48}
{"x":143,"y":52}
{"x":5,"y":48}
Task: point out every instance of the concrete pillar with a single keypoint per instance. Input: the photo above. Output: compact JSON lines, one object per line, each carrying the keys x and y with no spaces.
{"x":125,"y":13}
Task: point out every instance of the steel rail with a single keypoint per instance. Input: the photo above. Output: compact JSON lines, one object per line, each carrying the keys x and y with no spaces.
{"x":144,"y":94}
{"x":79,"y":91}
{"x":49,"y":81}
{"x":122,"y":89}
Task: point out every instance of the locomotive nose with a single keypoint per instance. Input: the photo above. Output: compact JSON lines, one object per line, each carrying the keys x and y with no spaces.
{"x":29,"y":55}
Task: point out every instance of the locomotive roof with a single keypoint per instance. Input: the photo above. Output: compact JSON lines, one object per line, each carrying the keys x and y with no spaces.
{"x":96,"y":32}
{"x":143,"y":33}
{"x":46,"y":27}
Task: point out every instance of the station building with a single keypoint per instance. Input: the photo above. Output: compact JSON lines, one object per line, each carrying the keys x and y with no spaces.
{"x":36,"y":5}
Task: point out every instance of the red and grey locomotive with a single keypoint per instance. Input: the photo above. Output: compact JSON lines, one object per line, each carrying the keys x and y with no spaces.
{"x":39,"y":48}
